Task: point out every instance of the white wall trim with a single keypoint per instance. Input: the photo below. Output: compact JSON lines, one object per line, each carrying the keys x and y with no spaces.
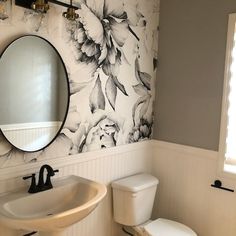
{"x":33,"y":125}
{"x":27,"y":168}
{"x":225,"y":98}
{"x":193,"y":151}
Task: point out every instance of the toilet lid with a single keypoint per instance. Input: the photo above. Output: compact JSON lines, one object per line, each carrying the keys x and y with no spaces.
{"x":164,"y":227}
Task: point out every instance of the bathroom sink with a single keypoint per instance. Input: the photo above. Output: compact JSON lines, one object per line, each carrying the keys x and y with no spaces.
{"x":71,"y":199}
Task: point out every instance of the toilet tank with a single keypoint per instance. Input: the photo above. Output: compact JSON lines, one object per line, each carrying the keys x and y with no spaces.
{"x":133,"y":199}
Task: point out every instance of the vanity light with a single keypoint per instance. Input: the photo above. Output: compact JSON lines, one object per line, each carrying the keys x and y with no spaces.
{"x":40,"y":6}
{"x":70,"y":14}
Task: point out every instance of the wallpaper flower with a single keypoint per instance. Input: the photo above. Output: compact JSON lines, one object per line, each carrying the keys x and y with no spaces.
{"x":111,"y":56}
{"x":98,"y":38}
{"x":142,"y":120}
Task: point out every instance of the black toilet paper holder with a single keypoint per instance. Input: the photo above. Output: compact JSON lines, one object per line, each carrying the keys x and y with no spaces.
{"x":218,"y":184}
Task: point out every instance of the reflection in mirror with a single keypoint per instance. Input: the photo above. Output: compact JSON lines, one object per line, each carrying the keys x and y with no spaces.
{"x":34,"y":93}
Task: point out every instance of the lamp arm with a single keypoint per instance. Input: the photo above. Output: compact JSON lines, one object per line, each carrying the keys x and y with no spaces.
{"x":64,"y":4}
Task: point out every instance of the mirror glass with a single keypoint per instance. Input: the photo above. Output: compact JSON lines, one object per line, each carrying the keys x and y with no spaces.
{"x":34,"y":93}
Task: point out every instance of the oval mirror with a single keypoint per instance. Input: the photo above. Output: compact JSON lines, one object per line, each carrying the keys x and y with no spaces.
{"x":34,"y":93}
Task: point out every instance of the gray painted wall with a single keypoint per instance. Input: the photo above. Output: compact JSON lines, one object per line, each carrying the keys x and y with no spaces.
{"x":192,"y":46}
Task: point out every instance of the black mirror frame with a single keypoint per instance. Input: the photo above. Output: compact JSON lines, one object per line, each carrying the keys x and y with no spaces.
{"x":68,"y":89}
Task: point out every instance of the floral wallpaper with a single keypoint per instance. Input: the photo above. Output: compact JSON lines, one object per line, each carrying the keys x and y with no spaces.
{"x":111,"y":56}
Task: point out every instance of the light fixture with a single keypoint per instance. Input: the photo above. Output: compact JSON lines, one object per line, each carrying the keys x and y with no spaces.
{"x":70,"y":14}
{"x":40,"y":6}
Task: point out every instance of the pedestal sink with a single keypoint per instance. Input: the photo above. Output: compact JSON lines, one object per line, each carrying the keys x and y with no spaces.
{"x":51,"y":211}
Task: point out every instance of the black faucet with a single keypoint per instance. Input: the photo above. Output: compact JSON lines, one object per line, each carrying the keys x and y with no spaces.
{"x":33,"y":187}
{"x":42,"y":185}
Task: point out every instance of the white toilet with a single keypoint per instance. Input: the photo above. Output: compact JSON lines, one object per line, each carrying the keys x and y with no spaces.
{"x":133,"y":199}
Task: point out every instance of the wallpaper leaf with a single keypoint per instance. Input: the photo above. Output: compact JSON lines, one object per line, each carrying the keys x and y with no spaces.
{"x":119,"y":30}
{"x":140,"y":101}
{"x":111,"y":65}
{"x":145,"y":79}
{"x":140,"y":89}
{"x":97,"y":99}
{"x":144,"y":108}
{"x":77,"y":87}
{"x":73,"y":119}
{"x":120,"y":86}
{"x":77,"y":137}
{"x":142,"y":77}
{"x":111,"y":91}
{"x":134,"y":15}
{"x":137,"y":69}
{"x":133,"y":33}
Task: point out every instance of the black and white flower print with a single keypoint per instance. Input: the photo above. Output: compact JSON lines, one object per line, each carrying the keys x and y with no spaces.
{"x":142,"y":119}
{"x":111,"y":56}
{"x":104,"y":129}
{"x":98,"y":37}
{"x":103,"y":134}
{"x":100,"y":33}
{"x":141,"y":131}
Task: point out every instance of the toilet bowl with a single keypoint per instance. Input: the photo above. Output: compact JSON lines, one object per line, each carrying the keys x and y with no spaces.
{"x":163,"y":227}
{"x":133,"y":199}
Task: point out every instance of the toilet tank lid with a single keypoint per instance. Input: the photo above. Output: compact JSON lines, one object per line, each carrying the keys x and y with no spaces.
{"x":135,"y":183}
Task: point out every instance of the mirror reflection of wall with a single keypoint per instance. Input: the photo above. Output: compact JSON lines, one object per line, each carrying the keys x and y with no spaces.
{"x":33,"y":93}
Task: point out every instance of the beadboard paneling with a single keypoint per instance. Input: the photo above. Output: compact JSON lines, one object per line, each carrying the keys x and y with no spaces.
{"x":184,"y":193}
{"x":103,"y":168}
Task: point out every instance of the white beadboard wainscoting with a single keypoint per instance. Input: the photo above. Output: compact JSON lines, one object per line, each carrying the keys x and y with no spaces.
{"x":184,"y":193}
{"x":103,"y":166}
{"x":25,"y":134}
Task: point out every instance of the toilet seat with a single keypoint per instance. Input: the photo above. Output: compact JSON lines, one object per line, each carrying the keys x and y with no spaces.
{"x":164,"y":227}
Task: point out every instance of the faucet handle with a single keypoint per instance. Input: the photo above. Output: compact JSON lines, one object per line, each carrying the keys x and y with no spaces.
{"x":48,"y":182}
{"x":28,"y":177}
{"x":33,"y":187}
{"x":54,"y":171}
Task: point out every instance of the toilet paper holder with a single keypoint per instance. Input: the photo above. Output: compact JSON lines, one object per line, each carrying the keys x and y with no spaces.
{"x":218,"y":184}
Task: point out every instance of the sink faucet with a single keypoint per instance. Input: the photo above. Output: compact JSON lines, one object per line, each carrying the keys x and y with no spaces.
{"x":42,"y":185}
{"x":48,"y":184}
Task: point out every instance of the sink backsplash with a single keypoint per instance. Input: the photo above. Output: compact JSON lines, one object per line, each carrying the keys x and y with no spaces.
{"x":115,"y":88}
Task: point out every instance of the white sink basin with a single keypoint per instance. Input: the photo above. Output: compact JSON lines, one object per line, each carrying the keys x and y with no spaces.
{"x":71,"y":199}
